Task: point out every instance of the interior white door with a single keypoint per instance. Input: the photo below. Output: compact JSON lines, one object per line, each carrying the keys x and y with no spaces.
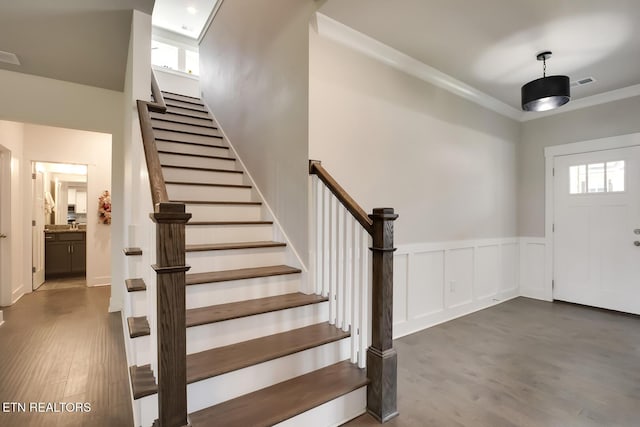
{"x":597,"y":229}
{"x":38,"y":230}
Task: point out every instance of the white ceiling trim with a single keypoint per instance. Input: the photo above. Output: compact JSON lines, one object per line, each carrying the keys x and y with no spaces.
{"x":343,"y":34}
{"x":347,"y":36}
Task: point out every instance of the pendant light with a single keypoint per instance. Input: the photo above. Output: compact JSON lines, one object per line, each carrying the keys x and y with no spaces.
{"x":545,"y":93}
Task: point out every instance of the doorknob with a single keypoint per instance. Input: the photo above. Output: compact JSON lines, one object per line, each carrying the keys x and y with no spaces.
{"x":636,"y":243}
{"x":3,"y":236}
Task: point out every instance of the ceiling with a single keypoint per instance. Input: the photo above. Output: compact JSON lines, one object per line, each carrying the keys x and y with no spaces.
{"x":492,"y":45}
{"x":80,"y":41}
{"x":186,"y":17}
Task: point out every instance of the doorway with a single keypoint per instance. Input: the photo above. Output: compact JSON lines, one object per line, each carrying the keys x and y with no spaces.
{"x":59,"y":225}
{"x":596,"y":228}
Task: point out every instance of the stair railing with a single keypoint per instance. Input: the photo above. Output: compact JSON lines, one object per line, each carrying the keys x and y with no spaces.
{"x":358,"y":282}
{"x":170,"y":219}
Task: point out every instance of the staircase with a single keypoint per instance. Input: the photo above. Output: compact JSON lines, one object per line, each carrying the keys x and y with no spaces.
{"x":258,"y":351}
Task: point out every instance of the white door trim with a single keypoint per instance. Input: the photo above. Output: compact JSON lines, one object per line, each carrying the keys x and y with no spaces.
{"x":620,"y":141}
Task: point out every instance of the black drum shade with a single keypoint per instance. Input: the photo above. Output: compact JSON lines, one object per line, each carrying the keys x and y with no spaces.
{"x":546,"y":93}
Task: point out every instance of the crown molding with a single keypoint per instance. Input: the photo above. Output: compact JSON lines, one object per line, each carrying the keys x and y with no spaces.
{"x":340,"y":33}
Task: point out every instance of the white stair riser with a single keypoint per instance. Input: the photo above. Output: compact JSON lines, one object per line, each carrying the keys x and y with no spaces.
{"x":186,"y":111}
{"x":208,"y":294}
{"x":171,"y":118}
{"x":202,"y":234}
{"x":224,"y":212}
{"x":212,"y":391}
{"x":200,"y":176}
{"x":142,"y":350}
{"x":177,"y":136}
{"x":198,"y":162}
{"x":176,"y":147}
{"x":184,"y":127}
{"x":145,"y":410}
{"x":205,"y":193}
{"x":204,"y":337}
{"x":333,"y":413}
{"x":138,"y":303}
{"x":204,"y":261}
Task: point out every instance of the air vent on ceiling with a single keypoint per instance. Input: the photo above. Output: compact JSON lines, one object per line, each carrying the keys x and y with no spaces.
{"x":9,"y":58}
{"x":583,"y":81}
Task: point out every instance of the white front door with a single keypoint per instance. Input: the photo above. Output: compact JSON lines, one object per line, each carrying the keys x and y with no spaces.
{"x":597,"y":229}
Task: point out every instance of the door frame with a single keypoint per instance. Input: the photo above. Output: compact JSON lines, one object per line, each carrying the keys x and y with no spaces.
{"x":594,"y":145}
{"x":5,"y":226}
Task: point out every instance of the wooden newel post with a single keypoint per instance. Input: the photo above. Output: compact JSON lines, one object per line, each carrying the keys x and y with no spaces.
{"x":382,"y":360}
{"x":170,"y":219}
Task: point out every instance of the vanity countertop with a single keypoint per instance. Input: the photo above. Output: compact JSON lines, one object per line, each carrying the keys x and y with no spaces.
{"x":65,"y":231}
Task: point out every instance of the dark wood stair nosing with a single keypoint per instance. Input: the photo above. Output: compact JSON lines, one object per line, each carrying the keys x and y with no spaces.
{"x":224,"y":223}
{"x":216,"y":202}
{"x":172,"y":103}
{"x":237,"y":310}
{"x":234,"y":246}
{"x":143,"y":382}
{"x":138,"y":326}
{"x":178,"y":94}
{"x":185,"y":132}
{"x":192,"y":115}
{"x":204,"y":184}
{"x":201,"y":169}
{"x":202,"y":144}
{"x":132,"y":251}
{"x":161,"y":119}
{"x":173,"y":97}
{"x":135,"y":285}
{"x":239,"y":274}
{"x":287,"y":399}
{"x":177,"y":153}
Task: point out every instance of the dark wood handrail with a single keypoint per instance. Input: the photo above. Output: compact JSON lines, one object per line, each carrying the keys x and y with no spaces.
{"x":315,"y":168}
{"x":158,"y":105}
{"x":156,"y":179}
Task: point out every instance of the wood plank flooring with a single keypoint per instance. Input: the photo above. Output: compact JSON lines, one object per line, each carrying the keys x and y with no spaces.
{"x":524,"y":363}
{"x":63,"y":346}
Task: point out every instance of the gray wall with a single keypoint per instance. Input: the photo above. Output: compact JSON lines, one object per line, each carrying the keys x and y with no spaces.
{"x":447,"y":165}
{"x":254,"y":64}
{"x":612,"y":119}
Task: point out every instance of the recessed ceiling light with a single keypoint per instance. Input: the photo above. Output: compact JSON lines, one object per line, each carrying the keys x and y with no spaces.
{"x":9,"y":58}
{"x":192,"y":10}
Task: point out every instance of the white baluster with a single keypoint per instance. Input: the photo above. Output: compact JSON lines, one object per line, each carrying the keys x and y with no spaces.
{"x":355,"y":289}
{"x":348,"y":262}
{"x":333,"y":249}
{"x":326,"y":233}
{"x":340,"y":289}
{"x":318,"y":212}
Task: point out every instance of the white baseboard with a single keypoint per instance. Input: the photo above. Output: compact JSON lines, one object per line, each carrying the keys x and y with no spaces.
{"x":17,"y":294}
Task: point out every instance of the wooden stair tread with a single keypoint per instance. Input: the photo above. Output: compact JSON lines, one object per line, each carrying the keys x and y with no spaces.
{"x":164,"y":126}
{"x":135,"y":285}
{"x":178,"y":153}
{"x":188,"y":113}
{"x":284,"y":400}
{"x":132,"y":251}
{"x":201,"y":169}
{"x":168,"y":92}
{"x":237,"y":245}
{"x":199,"y":144}
{"x":185,"y":105}
{"x":230,"y":223}
{"x":138,"y":326}
{"x":215,"y":202}
{"x":221,"y":360}
{"x":239,"y":274}
{"x":143,"y":382}
{"x":175,"y":119}
{"x":182,"y":98}
{"x":206,"y":184}
{"x":179,"y":117}
{"x":235,"y":310}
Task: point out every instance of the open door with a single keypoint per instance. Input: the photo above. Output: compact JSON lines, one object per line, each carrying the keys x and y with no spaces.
{"x":38,"y":229}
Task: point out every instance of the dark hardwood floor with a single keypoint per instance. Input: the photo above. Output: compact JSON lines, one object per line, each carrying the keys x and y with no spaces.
{"x":63,"y":346}
{"x":519,"y":364}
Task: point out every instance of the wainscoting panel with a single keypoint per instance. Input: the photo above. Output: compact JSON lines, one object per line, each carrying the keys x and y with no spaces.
{"x":532,"y":268}
{"x":437,"y":282}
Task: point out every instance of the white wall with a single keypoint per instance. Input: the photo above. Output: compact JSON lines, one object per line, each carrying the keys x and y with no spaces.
{"x":13,"y":281}
{"x":177,"y":82}
{"x":57,"y":145}
{"x":254,"y":71}
{"x":38,"y":100}
{"x":600,"y":121}
{"x":448,"y":166}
